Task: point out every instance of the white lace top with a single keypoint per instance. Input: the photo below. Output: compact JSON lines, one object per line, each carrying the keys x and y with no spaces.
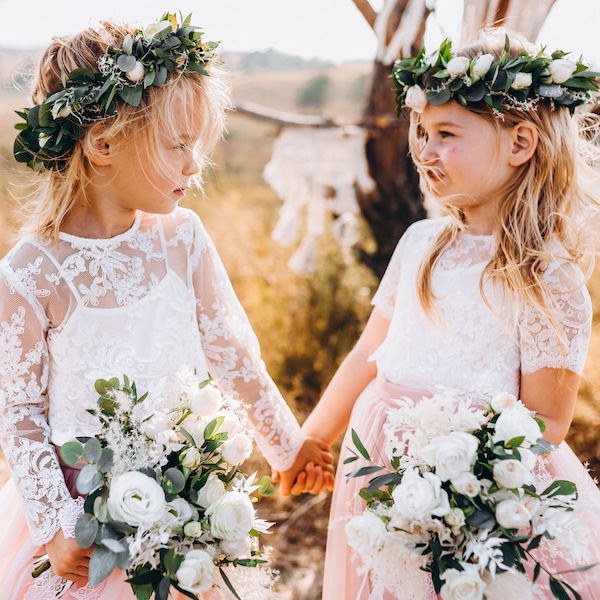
{"x":142,"y":304}
{"x":472,"y":347}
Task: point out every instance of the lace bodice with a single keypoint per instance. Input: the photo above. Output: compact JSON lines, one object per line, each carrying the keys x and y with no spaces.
{"x":143,"y":304}
{"x":472,"y":346}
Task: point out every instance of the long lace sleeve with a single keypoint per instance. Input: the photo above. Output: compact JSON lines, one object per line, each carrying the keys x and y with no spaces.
{"x":540,"y":345}
{"x":233,"y":356}
{"x":24,"y":430}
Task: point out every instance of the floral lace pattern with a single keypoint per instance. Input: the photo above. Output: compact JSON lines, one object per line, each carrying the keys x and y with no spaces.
{"x":470,"y":346}
{"x":142,"y":303}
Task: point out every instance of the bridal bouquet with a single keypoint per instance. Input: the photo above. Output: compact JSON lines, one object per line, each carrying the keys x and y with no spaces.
{"x":460,"y":501}
{"x":166,"y":500}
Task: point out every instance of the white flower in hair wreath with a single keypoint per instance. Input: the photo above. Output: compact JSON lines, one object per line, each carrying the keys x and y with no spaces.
{"x":521,"y":81}
{"x":51,"y":129}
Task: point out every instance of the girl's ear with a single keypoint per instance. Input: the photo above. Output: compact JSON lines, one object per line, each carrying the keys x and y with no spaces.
{"x":97,"y":147}
{"x":524,"y":136}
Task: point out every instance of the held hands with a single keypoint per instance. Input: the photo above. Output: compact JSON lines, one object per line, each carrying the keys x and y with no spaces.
{"x":68,"y":559}
{"x":312,"y":471}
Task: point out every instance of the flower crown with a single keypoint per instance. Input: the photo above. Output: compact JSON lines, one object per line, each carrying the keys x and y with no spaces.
{"x":50,"y":130}
{"x":522,"y":81}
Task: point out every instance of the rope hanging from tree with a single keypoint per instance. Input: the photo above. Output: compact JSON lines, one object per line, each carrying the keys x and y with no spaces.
{"x":316,"y":171}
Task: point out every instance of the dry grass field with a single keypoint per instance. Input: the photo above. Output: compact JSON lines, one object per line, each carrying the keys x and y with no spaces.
{"x":305,"y":325}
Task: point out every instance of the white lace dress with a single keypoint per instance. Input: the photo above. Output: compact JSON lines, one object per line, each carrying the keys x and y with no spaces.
{"x":143,"y":304}
{"x":473,"y":347}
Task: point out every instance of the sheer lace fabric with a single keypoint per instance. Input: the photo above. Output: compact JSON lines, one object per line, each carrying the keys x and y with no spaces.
{"x":143,"y":304}
{"x":472,"y":346}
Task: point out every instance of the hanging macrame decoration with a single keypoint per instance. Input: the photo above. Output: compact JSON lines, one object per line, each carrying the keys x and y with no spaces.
{"x":315,"y":171}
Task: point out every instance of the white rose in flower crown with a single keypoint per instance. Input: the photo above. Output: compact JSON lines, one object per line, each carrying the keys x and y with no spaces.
{"x":178,"y":511}
{"x":466,"y":484}
{"x":462,"y":585}
{"x":512,"y":474}
{"x":136,"y":499}
{"x":512,"y":514}
{"x":366,"y":533}
{"x":522,"y":81}
{"x":561,"y":69}
{"x":205,"y":401}
{"x":458,"y":66}
{"x":156,"y":424}
{"x":236,"y":548}
{"x":231,"y":516}
{"x":416,"y":99}
{"x":211,"y":491}
{"x":136,"y":73}
{"x":482,"y":65}
{"x":195,"y":573}
{"x":418,"y":497}
{"x":517,"y":421}
{"x":502,"y":401}
{"x":451,"y":454}
{"x":237,"y":449}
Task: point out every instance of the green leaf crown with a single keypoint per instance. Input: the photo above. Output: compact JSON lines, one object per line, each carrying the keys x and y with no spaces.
{"x":51,"y":129}
{"x":520,"y":81}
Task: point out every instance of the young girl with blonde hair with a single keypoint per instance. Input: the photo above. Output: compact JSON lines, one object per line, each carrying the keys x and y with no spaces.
{"x":489,"y":298}
{"x":111,"y":277}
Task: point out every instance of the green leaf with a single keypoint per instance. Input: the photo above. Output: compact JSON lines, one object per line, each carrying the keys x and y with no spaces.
{"x":92,"y":450}
{"x":228,"y":583}
{"x":384,"y":480}
{"x":364,"y":471}
{"x":71,"y":453}
{"x":515,"y":442}
{"x":88,"y":479}
{"x":558,"y":590}
{"x":560,"y":487}
{"x":162,"y":591}
{"x":143,"y":592}
{"x":102,"y":386}
{"x":212,"y":427}
{"x":102,"y":564}
{"x":105,"y":462}
{"x":86,"y":530}
{"x":131,"y":95}
{"x":173,"y":481}
{"x":100,"y":509}
{"x":113,"y":545}
{"x":359,"y":446}
{"x":265,"y":487}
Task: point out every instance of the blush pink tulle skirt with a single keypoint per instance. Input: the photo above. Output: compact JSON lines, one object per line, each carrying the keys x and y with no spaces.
{"x":345,"y":580}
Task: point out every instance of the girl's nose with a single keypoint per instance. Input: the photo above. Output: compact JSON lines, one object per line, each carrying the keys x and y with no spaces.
{"x":191,"y":166}
{"x":428,"y":151}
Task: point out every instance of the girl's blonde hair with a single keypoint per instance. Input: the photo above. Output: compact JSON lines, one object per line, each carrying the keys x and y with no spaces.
{"x":199,"y":102}
{"x":553,"y":197}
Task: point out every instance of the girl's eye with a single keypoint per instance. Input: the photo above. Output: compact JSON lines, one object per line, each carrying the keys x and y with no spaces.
{"x":445,"y":134}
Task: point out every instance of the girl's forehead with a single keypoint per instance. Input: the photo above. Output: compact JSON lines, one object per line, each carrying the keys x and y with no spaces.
{"x":450,"y":113}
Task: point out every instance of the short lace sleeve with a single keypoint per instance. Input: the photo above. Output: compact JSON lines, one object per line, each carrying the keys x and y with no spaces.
{"x":540,"y":345}
{"x":24,"y":430}
{"x":233,"y":356}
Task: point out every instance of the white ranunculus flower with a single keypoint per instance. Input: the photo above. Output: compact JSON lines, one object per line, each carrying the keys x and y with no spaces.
{"x":512,"y":514}
{"x":502,"y":401}
{"x":455,"y":518}
{"x":482,"y":65}
{"x":195,"y":573}
{"x":136,"y":499}
{"x":466,"y":484}
{"x":416,"y":99}
{"x":522,"y":81}
{"x":517,"y":421}
{"x":451,"y":454}
{"x":462,"y":585}
{"x":193,"y":529}
{"x":419,"y":497}
{"x":237,"y":449}
{"x":561,"y":69}
{"x":458,"y":66}
{"x":366,"y":533}
{"x":231,"y":516}
{"x":157,"y":423}
{"x":178,"y":511}
{"x":512,"y":474}
{"x":191,"y":457}
{"x":137,"y":73}
{"x":211,"y":491}
{"x":236,"y":548}
{"x":553,"y":521}
{"x":205,"y":401}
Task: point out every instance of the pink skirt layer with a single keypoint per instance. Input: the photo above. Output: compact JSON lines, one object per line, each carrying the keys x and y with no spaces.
{"x":344,"y":579}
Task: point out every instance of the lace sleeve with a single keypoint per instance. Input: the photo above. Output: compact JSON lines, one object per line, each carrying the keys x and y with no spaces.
{"x":24,"y":430}
{"x":540,"y":345}
{"x":233,"y":356}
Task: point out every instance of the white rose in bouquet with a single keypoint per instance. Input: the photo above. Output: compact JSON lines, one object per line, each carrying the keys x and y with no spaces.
{"x":237,"y":449}
{"x":418,"y":497}
{"x":157,"y":423}
{"x":502,"y":401}
{"x":366,"y":533}
{"x":512,"y":474}
{"x":193,"y":529}
{"x":516,"y":421}
{"x":451,"y":454}
{"x":136,"y":499}
{"x":236,"y":548}
{"x":205,"y":401}
{"x":230,"y":425}
{"x":231,"y":516}
{"x":179,"y":511}
{"x":195,"y":573}
{"x":462,"y":585}
{"x":211,"y":491}
{"x":512,"y":514}
{"x":466,"y":484}
{"x":191,"y":457}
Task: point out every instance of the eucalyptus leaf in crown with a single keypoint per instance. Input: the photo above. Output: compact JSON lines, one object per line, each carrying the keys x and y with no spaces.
{"x":521,"y":81}
{"x":50,"y":130}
